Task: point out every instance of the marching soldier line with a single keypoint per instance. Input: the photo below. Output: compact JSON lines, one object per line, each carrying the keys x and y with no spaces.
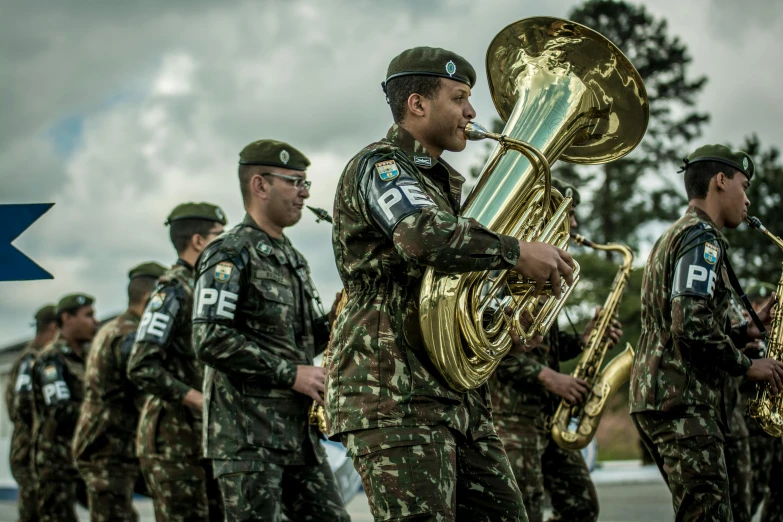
{"x":198,"y":394}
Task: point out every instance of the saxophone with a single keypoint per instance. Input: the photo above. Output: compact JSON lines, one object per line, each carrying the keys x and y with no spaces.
{"x":767,"y":408}
{"x":602,"y":383}
{"x":316,"y":415}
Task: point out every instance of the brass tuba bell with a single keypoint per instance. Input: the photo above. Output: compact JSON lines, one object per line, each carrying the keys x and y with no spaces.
{"x":564,"y":91}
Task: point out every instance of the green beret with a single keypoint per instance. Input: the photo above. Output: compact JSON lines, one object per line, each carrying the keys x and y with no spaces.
{"x":759,"y":291}
{"x":206,"y":211}
{"x":71,"y":302}
{"x":148,"y":269}
{"x":275,"y":154}
{"x":722,"y":154}
{"x":567,"y":190}
{"x":46,"y":314}
{"x":431,"y":61}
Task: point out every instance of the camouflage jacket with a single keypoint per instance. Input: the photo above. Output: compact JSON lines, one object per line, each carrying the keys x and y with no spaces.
{"x":19,"y":404}
{"x":515,"y":387}
{"x":687,"y":347}
{"x":395,"y":214}
{"x":110,"y":412}
{"x":163,"y":364}
{"x":253,"y":323}
{"x":58,"y":388}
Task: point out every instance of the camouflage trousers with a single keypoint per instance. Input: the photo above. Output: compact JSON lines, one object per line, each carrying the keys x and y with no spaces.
{"x":692,"y":463}
{"x":254,"y":490}
{"x":541,"y":466}
{"x":737,"y":454}
{"x":434,"y":474}
{"x":182,"y":490}
{"x":110,"y":486}
{"x":57,"y":499}
{"x":772,"y":510}
{"x":762,"y":453}
{"x":26,"y":502}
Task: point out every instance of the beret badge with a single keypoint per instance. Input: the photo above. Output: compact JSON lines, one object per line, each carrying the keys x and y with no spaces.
{"x":451,"y":68}
{"x":745,"y":163}
{"x":284,"y":156}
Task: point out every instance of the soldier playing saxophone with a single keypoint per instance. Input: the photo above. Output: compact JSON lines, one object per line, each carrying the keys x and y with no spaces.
{"x":687,"y":348}
{"x":526,"y":390}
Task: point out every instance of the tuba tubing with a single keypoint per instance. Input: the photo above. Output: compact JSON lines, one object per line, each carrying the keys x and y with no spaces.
{"x":567,"y":92}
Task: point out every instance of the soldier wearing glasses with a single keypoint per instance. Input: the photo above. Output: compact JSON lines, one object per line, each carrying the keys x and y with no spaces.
{"x":257,"y":324}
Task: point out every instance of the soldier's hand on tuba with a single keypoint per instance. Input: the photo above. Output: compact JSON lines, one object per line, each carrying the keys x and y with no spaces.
{"x":543,"y":262}
{"x":310,"y":381}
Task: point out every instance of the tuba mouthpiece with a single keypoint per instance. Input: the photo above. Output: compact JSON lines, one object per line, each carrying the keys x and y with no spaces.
{"x":475,"y":132}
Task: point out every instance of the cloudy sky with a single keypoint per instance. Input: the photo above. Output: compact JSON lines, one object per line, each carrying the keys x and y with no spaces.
{"x":118,"y":111}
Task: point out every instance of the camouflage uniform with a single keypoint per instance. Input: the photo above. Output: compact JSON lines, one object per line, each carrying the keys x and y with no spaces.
{"x":773,"y":505}
{"x":523,"y":412}
{"x":103,"y":444}
{"x":58,"y":388}
{"x":736,"y":448}
{"x":254,"y":322}
{"x":686,"y":352}
{"x":163,"y":364}
{"x":19,"y":404}
{"x":420,"y":447}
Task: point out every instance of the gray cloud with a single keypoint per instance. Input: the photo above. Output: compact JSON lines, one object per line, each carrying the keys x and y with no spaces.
{"x":166,"y":94}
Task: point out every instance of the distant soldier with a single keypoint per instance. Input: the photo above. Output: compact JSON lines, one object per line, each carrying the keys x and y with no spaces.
{"x":163,"y":364}
{"x":104,"y":442}
{"x":526,"y":391}
{"x":257,"y":328}
{"x":58,"y":387}
{"x":19,"y":403}
{"x":688,"y":349}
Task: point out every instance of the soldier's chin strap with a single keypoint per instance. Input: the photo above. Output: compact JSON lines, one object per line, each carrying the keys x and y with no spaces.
{"x":744,"y":298}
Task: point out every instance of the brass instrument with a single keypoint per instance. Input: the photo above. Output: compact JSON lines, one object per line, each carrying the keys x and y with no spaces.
{"x":767,"y":408}
{"x":566,"y":92}
{"x":573,"y":427}
{"x":316,"y":415}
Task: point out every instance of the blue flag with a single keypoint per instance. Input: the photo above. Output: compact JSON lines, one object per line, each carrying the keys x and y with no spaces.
{"x":14,"y":219}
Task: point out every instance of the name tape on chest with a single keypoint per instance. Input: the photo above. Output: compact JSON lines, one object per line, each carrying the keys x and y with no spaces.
{"x":217,"y":303}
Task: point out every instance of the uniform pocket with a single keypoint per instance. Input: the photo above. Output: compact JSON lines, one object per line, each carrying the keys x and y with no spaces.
{"x":406,"y":475}
{"x":274,"y":418}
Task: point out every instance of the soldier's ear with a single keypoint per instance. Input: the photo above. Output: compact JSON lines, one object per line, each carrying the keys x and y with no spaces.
{"x":416,"y":105}
{"x":259,"y":186}
{"x":721,"y":180}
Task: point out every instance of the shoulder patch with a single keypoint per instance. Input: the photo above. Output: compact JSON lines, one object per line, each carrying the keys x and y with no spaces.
{"x":223,"y":271}
{"x":387,"y":170}
{"x":157,"y":301}
{"x":711,"y":252}
{"x":50,"y":372}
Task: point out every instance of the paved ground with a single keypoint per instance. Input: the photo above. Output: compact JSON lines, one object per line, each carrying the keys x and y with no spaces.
{"x":619,"y":503}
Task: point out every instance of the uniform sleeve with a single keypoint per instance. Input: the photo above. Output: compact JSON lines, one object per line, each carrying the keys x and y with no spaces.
{"x":704,"y":340}
{"x":19,"y":396}
{"x":146,"y":366}
{"x":217,"y":341}
{"x":518,"y":368}
{"x":401,"y":209}
{"x":58,"y":401}
{"x":570,"y":345}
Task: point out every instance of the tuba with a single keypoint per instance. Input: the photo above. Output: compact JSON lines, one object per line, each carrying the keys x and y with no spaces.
{"x":767,"y":408}
{"x":564,"y":92}
{"x":573,"y":427}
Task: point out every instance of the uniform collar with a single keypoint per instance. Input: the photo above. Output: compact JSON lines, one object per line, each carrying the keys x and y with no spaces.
{"x":131,"y":315}
{"x":411,"y":147}
{"x":266,"y":245}
{"x":403,"y":139}
{"x":182,"y":262}
{"x":703,"y":216}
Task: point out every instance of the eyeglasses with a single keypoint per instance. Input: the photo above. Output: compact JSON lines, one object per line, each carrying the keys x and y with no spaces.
{"x":294,"y":180}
